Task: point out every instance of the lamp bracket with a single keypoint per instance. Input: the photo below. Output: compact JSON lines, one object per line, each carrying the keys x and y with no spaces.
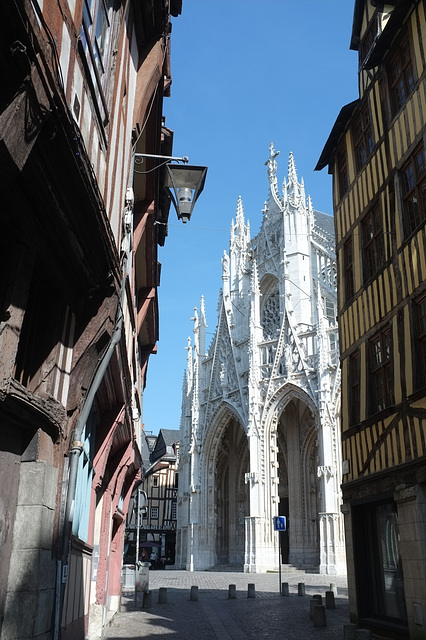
{"x":183,"y":159}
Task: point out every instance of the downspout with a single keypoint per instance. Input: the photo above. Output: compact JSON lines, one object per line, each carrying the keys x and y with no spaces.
{"x":76,"y":447}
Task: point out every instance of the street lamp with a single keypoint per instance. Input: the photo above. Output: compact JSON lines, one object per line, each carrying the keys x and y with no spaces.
{"x":185,"y":182}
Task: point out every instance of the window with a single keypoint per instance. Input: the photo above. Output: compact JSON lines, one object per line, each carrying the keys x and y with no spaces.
{"x":348,"y":270}
{"x":420,"y":324}
{"x":373,"y":242}
{"x":174,"y":510}
{"x":354,"y":388}
{"x":414,"y":191}
{"x":154,"y":513}
{"x":368,"y":41}
{"x":329,"y":309}
{"x":271,"y":317}
{"x":155,"y":481}
{"x":363,"y":137}
{"x":381,"y":371}
{"x":401,"y":77}
{"x":95,"y":41}
{"x":343,"y":174}
{"x":378,"y":569}
{"x":85,"y":471}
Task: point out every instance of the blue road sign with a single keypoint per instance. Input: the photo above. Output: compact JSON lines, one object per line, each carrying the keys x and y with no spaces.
{"x":280,"y":523}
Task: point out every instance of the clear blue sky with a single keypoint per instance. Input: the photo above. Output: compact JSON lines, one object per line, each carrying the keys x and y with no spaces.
{"x":245,"y":73}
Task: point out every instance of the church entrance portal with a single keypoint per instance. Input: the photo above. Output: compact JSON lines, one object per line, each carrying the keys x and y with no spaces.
{"x":232,"y":500}
{"x":298,"y":487}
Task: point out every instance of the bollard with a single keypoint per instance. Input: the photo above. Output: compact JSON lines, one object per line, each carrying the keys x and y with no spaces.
{"x":146,"y":600}
{"x":349,"y":631}
{"x":312,"y":603}
{"x":318,"y":597}
{"x":193,"y":596}
{"x":301,"y":589}
{"x":284,"y":589}
{"x":333,"y":588}
{"x":363,"y":634}
{"x":329,"y":600}
{"x":162,"y":595}
{"x":319,"y":616}
{"x":232,"y":592}
{"x":251,"y":591}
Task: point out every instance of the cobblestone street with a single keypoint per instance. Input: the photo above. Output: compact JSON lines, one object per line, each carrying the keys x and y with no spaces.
{"x":216,"y":617}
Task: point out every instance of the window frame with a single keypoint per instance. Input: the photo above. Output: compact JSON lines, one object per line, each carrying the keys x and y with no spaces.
{"x":381,"y":370}
{"x":373,"y":242}
{"x":401,"y":75}
{"x":95,"y":46}
{"x":413,"y":191}
{"x":348,"y":266}
{"x":420,"y":339}
{"x":342,"y":170}
{"x":363,"y":137}
{"x":153,"y":511}
{"x":354,"y":399}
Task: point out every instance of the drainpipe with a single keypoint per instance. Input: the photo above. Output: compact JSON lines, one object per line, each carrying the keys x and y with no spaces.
{"x":76,"y":442}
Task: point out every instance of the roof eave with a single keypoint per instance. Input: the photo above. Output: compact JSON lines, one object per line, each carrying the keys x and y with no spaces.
{"x":338,"y":129}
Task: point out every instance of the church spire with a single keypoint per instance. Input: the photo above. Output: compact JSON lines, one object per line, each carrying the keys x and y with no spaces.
{"x":202,"y":325}
{"x":238,"y":251}
{"x":292,"y":185}
{"x":272,"y":173}
{"x":240,"y":213}
{"x":189,"y":365}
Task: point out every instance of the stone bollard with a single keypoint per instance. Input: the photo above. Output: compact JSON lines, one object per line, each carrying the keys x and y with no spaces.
{"x":162,"y":595}
{"x":319,"y":616}
{"x":333,"y":588}
{"x":329,"y":600}
{"x":315,"y":600}
{"x":146,"y":600}
{"x":349,"y":631}
{"x":301,"y":589}
{"x":251,"y":591}
{"x":193,"y":596}
{"x":363,"y":634}
{"x":232,"y":592}
{"x":284,"y":589}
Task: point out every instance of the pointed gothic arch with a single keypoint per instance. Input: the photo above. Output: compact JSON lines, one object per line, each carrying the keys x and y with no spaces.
{"x":226,"y":461}
{"x":291,"y":426}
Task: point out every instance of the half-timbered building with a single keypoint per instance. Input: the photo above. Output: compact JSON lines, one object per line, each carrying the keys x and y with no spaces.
{"x":376,"y":154}
{"x":82,"y":88}
{"x":152,"y":516}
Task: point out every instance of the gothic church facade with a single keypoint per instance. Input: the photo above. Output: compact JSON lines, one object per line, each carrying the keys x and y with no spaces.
{"x":260,"y":427}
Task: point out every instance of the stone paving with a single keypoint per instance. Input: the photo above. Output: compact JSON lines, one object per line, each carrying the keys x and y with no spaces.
{"x":216,"y":617}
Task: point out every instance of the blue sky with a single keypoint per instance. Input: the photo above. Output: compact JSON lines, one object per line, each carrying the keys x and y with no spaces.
{"x":245,"y":73}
